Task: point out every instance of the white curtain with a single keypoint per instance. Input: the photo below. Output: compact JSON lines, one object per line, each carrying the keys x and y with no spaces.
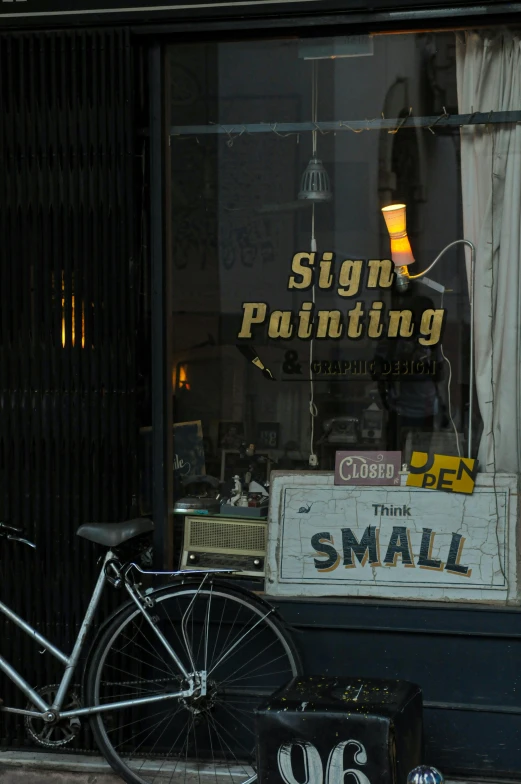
{"x":489,"y":80}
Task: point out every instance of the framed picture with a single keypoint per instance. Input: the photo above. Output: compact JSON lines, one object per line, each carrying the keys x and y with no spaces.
{"x":230,"y":435}
{"x":268,"y":435}
{"x":232,"y":463}
{"x":189,"y":457}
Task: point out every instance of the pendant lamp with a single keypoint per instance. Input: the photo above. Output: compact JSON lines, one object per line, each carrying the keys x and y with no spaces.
{"x":315,"y":185}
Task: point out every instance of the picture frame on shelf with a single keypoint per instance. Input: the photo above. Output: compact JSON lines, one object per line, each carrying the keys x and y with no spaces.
{"x":268,"y":435}
{"x":232,"y":463}
{"x":230,"y":435}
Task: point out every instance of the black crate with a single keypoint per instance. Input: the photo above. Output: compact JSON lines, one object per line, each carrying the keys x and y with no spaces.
{"x":316,"y":729}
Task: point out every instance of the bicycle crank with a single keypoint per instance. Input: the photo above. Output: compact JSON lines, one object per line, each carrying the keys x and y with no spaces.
{"x":52,"y":734}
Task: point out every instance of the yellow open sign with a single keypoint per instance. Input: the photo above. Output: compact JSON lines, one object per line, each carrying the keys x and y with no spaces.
{"x":442,"y":472}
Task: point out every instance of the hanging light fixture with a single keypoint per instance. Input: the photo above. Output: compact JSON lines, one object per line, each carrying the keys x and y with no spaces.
{"x":315,"y":185}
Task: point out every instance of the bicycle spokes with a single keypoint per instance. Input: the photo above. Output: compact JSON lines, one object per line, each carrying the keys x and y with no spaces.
{"x":214,"y":631}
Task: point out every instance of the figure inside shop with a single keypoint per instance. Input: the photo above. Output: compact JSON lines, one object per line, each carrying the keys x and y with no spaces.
{"x":413,"y":401}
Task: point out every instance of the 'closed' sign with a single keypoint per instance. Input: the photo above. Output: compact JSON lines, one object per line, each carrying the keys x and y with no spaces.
{"x":367,"y":468}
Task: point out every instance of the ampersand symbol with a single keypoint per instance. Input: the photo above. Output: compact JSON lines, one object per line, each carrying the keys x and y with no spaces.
{"x":291,"y":366}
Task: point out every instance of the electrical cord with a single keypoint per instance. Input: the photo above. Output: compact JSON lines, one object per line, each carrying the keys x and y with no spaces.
{"x":492,"y":354}
{"x":313,"y":410}
{"x":449,"y":401}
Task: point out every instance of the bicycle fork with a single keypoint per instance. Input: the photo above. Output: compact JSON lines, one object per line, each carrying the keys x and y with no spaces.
{"x":145,"y":604}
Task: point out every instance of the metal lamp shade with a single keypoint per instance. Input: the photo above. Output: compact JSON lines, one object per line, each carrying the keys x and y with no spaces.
{"x":315,"y":184}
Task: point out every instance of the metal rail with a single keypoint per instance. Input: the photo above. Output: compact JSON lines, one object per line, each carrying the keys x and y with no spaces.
{"x":376,"y":124}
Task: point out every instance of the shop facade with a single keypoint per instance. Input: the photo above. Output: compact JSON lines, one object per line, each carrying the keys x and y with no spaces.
{"x":198,"y":242}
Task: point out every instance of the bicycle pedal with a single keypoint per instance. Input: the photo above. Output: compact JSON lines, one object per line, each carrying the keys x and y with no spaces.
{"x":75,"y":726}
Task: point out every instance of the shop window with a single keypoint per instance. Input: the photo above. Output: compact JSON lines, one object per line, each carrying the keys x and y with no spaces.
{"x":298,"y":325}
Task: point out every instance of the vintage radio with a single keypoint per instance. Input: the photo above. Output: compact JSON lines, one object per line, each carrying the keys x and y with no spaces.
{"x":224,"y":543}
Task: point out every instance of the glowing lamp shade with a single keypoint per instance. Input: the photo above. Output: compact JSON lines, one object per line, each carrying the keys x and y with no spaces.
{"x":394,"y":216}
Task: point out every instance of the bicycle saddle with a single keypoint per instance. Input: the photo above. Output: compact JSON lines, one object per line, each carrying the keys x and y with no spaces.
{"x":114,"y":534}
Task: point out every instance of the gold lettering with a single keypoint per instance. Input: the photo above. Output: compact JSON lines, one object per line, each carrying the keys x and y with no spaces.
{"x":305,"y":272}
{"x":354,"y":315}
{"x":329,"y":324}
{"x":381,"y":273}
{"x":400,"y":321}
{"x":349,"y":278}
{"x":325,"y":278}
{"x":254,"y":313}
{"x":430,"y":327}
{"x":304,"y":326}
{"x":280,"y":325}
{"x":375,"y":328}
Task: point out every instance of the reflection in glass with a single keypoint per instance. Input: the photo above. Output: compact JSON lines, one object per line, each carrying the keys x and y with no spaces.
{"x":248,"y":122}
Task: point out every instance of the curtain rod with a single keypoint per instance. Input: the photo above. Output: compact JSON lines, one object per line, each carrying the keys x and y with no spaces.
{"x":357,"y":126}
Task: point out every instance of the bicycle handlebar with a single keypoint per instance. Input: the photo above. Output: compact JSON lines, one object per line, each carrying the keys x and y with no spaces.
{"x":10,"y":532}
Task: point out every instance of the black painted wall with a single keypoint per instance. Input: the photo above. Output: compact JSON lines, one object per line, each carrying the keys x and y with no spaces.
{"x":69,"y":274}
{"x":466,"y":659}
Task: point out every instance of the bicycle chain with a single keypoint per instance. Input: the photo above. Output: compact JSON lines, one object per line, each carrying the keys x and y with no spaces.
{"x":133,"y":683}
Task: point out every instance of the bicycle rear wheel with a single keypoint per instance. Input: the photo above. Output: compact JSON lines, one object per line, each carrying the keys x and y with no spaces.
{"x":247,"y":653}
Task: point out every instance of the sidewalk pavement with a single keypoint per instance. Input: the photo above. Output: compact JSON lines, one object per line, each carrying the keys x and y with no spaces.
{"x":44,"y":768}
{"x":29,"y":767}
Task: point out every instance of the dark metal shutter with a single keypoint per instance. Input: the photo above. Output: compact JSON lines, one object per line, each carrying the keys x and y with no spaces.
{"x":67,"y":326}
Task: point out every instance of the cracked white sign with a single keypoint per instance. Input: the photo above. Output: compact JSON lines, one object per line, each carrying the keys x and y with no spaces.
{"x":389,"y":541}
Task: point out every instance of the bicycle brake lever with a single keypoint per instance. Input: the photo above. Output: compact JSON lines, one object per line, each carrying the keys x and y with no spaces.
{"x":12,"y":538}
{"x":11,"y":528}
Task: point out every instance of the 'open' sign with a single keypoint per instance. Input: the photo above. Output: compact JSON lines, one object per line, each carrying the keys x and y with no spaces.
{"x":442,"y":472}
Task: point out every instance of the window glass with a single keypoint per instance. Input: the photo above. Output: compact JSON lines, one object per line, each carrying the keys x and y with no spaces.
{"x":304,"y":355}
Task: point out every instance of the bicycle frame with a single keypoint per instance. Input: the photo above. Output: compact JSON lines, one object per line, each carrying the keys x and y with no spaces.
{"x":52,"y":712}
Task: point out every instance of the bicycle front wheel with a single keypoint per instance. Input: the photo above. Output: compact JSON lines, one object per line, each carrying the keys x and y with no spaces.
{"x":247,"y":654}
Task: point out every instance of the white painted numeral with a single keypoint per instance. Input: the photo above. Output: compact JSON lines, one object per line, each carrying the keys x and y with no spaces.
{"x":312,"y":763}
{"x":313,"y":770}
{"x":335,"y":773}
